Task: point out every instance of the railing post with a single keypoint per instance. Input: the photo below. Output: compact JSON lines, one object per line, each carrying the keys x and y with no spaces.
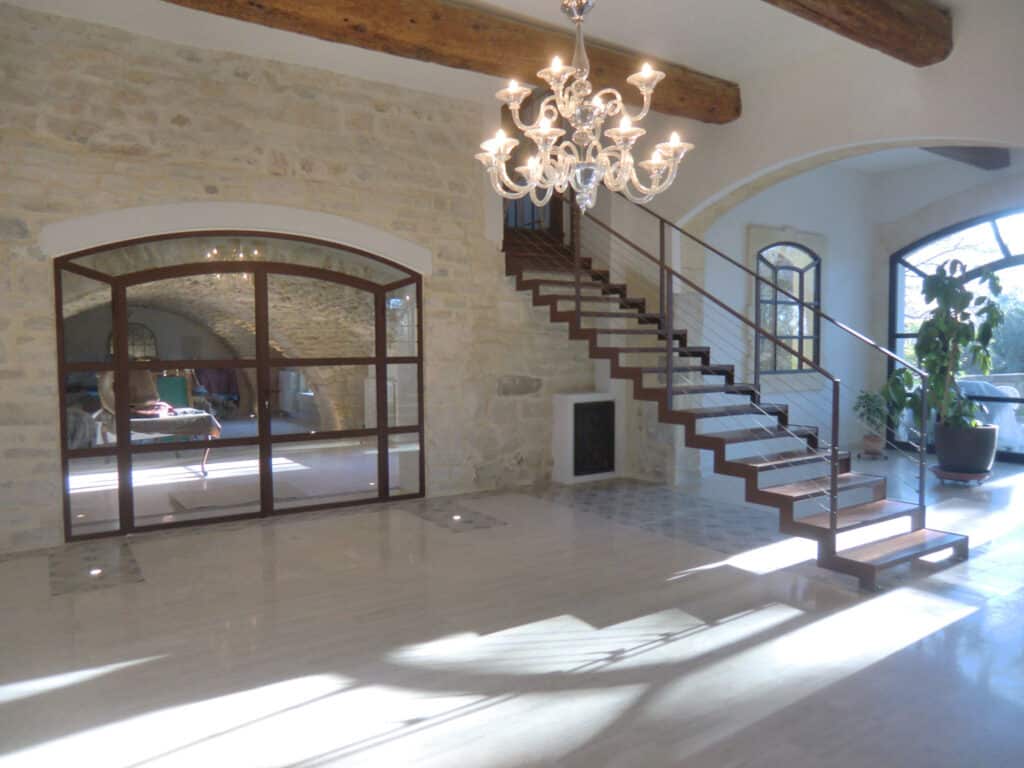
{"x":576,"y":265}
{"x":665,"y":280}
{"x":661,"y":271}
{"x":922,"y":453}
{"x":834,"y":490}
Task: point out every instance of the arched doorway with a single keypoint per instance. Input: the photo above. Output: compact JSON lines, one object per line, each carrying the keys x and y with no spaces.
{"x":279,"y":374}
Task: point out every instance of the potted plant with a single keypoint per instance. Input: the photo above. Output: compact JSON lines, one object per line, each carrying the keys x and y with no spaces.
{"x":957,"y":331}
{"x":872,"y":409}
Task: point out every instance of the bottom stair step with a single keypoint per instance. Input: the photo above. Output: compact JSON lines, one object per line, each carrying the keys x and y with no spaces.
{"x":866,"y":560}
{"x":857,"y":517}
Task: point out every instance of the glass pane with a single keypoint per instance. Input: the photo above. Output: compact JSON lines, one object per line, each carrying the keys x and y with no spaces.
{"x":403,"y":395}
{"x":316,"y":318}
{"x":914,"y":306}
{"x":322,"y":399}
{"x":789,"y":320}
{"x":186,"y":404}
{"x":789,"y":281}
{"x":402,"y":322}
{"x":767,"y":288}
{"x":201,"y":317}
{"x":170,"y":487}
{"x":975,"y":246}
{"x":767,"y":356}
{"x":210,"y":248}
{"x":808,"y":328}
{"x":767,"y":317}
{"x":788,"y":256}
{"x":88,"y":319}
{"x":89,"y":410}
{"x":324,"y":472}
{"x":786,"y":361}
{"x":92,"y":494}
{"x":808,"y":351}
{"x":404,"y":464}
{"x":810,"y":280}
{"x":1009,"y":417}
{"x":1011,"y":229}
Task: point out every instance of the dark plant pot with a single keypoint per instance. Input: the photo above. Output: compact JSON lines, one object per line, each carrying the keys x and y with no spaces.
{"x":971,"y":450}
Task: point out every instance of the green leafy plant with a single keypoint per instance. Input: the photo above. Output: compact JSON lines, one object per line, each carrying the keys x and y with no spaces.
{"x":873,"y":410}
{"x":958,"y":331}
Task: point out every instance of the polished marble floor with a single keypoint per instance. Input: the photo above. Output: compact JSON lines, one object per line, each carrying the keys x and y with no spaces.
{"x":617,"y":624}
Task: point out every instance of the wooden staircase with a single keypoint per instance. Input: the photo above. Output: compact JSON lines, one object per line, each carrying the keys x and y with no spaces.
{"x":581,"y":295}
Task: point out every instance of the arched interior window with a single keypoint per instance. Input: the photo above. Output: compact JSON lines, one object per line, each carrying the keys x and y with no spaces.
{"x":141,"y":342}
{"x":786,"y":300}
{"x":222,"y":375}
{"x":990,"y":243}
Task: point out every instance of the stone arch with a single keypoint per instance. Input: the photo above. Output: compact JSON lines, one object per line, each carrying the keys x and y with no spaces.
{"x":125,"y":224}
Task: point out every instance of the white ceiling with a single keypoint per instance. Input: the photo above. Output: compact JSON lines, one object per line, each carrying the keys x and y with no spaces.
{"x":904,"y":160}
{"x":891,"y":160}
{"x":734,"y":39}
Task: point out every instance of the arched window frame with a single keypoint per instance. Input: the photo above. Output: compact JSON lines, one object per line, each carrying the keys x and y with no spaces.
{"x":770,"y":296}
{"x":1011,"y":254}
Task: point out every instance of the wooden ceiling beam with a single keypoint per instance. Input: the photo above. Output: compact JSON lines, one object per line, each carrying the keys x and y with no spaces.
{"x":914,"y":31}
{"x":471,"y":38}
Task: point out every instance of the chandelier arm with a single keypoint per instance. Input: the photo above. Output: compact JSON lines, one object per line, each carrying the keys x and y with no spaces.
{"x":541,"y":200}
{"x":643,"y":110}
{"x":506,"y":181}
{"x":501,"y":191}
{"x":548,"y":109}
{"x":634,"y":198}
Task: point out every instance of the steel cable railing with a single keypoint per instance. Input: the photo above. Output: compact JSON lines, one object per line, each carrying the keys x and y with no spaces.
{"x":727,"y":350}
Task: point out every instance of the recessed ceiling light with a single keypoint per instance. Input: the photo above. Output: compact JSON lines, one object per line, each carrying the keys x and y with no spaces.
{"x":80,"y":516}
{"x":456,"y":518}
{"x":96,"y":572}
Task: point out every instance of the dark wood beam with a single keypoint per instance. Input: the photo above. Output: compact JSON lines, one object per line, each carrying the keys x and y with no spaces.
{"x":985,"y":158}
{"x":471,"y":38}
{"x":914,"y":31}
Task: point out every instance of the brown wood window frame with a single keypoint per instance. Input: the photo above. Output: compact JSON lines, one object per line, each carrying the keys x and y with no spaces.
{"x":121,"y":366}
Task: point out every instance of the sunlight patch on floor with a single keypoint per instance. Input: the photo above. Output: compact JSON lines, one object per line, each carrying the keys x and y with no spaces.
{"x":27,"y":688}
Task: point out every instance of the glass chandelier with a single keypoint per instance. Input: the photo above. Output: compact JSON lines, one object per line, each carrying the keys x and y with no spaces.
{"x":581,"y":162}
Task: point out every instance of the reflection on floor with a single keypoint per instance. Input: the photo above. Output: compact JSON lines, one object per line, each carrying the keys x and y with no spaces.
{"x":581,"y":634}
{"x":170,"y":487}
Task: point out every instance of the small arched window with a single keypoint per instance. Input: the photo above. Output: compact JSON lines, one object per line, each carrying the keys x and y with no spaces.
{"x":788,"y":268}
{"x":141,"y":342}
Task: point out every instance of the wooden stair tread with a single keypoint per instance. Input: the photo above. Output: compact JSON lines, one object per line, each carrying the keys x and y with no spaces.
{"x":629,"y":315}
{"x":786,"y":460}
{"x":821,"y":486}
{"x":752,"y":435}
{"x":899,"y":549}
{"x":590,"y":298}
{"x":860,"y":515}
{"x":588,"y":283}
{"x":721,"y":411}
{"x":725,"y":389}
{"x":717,"y":370}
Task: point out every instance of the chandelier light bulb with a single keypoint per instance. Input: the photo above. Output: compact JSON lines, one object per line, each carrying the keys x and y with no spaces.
{"x":568,"y":132}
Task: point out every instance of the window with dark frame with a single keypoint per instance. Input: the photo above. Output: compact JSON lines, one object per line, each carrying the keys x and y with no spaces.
{"x":787,"y":298}
{"x":990,"y":243}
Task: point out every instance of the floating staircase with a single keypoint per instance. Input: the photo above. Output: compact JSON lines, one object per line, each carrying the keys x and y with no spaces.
{"x":827,"y":499}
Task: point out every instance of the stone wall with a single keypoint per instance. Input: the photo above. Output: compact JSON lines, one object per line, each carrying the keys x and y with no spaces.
{"x":95,"y":119}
